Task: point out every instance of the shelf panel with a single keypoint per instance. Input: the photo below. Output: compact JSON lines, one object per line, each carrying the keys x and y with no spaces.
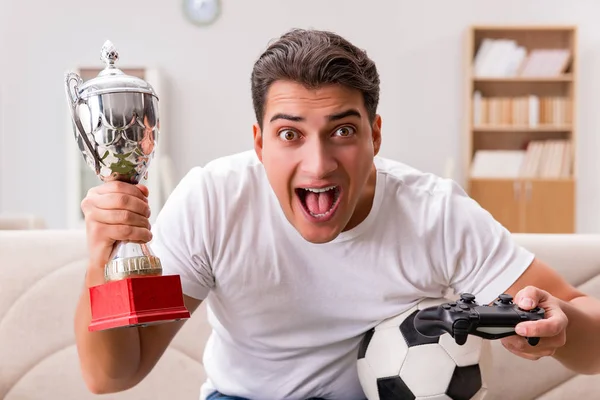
{"x":522,"y":179}
{"x":509,"y":128}
{"x":525,"y":79}
{"x":525,"y":28}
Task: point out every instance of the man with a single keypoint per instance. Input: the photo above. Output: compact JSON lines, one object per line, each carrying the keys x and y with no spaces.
{"x":307,"y":242}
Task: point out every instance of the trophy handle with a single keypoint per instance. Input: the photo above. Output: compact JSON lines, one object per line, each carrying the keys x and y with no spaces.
{"x":72,"y":90}
{"x":72,"y":83}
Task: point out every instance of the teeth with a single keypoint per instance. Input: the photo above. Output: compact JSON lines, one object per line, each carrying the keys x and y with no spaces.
{"x":319,"y":215}
{"x":322,"y":190}
{"x":319,"y":190}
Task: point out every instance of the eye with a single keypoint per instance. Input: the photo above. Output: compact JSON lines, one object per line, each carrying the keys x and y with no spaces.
{"x":288,"y":135}
{"x":345,"y":131}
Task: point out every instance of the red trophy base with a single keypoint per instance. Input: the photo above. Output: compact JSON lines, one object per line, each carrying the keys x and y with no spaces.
{"x":137,"y":301}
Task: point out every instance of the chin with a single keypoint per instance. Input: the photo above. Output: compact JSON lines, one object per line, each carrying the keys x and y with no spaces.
{"x":317,"y":236}
{"x":317,"y":233}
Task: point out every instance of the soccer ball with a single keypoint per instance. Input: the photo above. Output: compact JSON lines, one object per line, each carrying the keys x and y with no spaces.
{"x":396,"y":362}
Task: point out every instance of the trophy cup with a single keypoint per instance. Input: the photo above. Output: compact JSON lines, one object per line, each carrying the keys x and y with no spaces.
{"x":116,"y":125}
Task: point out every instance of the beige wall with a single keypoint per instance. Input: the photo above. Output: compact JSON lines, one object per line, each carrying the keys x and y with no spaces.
{"x":418,"y":46}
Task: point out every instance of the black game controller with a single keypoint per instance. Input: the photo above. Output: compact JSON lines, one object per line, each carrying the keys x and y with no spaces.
{"x":466,"y":317}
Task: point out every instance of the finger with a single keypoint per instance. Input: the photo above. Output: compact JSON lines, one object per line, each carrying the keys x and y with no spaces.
{"x":129,"y":233}
{"x":530,"y":296}
{"x":139,"y":191}
{"x":521,"y":344}
{"x":119,"y":201}
{"x":125,"y":233}
{"x":144,"y":190}
{"x":548,"y":327}
{"x":520,"y":347}
{"x":118,"y":217}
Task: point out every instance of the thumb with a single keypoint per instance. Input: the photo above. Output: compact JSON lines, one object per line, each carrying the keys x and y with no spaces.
{"x":530,"y":297}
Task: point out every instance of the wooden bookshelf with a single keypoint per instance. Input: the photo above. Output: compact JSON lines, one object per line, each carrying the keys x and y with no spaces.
{"x":525,"y":79}
{"x":521,"y":131}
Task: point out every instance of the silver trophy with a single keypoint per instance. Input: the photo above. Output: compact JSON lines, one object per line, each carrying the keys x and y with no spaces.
{"x":116,"y":126}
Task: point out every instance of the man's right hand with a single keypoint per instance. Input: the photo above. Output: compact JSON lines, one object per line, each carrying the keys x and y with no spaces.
{"x":117,"y":359}
{"x":114,"y":211}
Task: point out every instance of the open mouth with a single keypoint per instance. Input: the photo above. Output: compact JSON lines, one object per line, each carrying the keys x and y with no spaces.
{"x":319,"y":203}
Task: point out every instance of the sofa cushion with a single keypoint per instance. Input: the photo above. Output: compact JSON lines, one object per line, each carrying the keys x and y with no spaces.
{"x":42,"y":278}
{"x":57,"y":377}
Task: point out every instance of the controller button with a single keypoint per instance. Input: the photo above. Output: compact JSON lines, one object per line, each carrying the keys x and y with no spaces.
{"x":453,"y":304}
{"x":446,"y":306}
{"x":464,"y":306}
{"x":461,"y":324}
{"x":468,"y":297}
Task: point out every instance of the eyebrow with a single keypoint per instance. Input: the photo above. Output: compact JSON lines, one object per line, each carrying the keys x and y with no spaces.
{"x":334,"y":117}
{"x":348,"y":113}
{"x":286,"y":116}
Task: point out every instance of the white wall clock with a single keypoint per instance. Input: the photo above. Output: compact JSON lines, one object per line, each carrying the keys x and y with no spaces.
{"x":202,"y":12}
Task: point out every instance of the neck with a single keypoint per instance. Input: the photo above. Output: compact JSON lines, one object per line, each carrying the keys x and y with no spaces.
{"x":365,"y":203}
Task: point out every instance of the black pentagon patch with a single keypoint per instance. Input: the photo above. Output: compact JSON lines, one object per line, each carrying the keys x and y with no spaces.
{"x":411,"y":336}
{"x":465,"y":382}
{"x":393,"y":388}
{"x":364,"y":344}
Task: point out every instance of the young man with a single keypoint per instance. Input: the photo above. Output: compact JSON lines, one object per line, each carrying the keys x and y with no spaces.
{"x":307,"y":242}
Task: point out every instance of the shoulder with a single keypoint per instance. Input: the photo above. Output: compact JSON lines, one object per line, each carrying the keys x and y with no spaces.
{"x":411,"y":183}
{"x":433,"y":203}
{"x":235,"y":177}
{"x":227,"y":172}
{"x":226,"y":188}
{"x":234,"y":163}
{"x":208,"y":196}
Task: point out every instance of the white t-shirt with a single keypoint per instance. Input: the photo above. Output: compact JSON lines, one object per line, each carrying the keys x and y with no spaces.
{"x":288,"y":315}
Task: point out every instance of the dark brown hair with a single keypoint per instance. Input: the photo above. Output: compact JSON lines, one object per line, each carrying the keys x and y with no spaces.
{"x":314,"y":58}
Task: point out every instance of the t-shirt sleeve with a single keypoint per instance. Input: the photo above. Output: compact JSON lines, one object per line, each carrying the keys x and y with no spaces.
{"x":179,"y":236}
{"x":480,"y":255}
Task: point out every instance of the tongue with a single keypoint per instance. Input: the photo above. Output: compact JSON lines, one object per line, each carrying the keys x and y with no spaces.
{"x":319,"y":203}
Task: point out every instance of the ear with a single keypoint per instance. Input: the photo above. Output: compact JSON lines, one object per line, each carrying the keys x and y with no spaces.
{"x":258,"y":141}
{"x":376,"y":134}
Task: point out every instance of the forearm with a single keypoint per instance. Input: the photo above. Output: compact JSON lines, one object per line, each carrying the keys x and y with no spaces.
{"x":109,"y":359}
{"x":581,"y":353}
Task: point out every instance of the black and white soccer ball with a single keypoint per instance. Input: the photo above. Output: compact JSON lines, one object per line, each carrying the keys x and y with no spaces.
{"x":396,"y":362}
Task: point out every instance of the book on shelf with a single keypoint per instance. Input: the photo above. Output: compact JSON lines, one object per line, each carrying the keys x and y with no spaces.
{"x":550,"y":159}
{"x":497,"y":58}
{"x":521,"y":111}
{"x":497,"y":163}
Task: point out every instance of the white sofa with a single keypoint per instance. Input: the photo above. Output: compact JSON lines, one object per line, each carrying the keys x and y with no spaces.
{"x":41,"y":278}
{"x":21,"y":221}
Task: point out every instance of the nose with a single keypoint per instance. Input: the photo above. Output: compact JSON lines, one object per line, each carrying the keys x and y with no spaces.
{"x":318,"y":160}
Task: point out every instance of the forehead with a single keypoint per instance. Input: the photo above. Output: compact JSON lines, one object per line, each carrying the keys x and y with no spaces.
{"x":292,"y":97}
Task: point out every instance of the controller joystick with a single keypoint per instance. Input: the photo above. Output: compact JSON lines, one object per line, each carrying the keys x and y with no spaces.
{"x":465,"y":317}
{"x":467,"y":298}
{"x":504,"y":300}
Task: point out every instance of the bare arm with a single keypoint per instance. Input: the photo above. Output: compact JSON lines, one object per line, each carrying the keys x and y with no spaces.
{"x":117,"y":359}
{"x":576,"y":347}
{"x":581,"y":352}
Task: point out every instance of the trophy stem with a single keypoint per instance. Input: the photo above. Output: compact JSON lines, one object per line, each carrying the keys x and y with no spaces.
{"x":130,"y":260}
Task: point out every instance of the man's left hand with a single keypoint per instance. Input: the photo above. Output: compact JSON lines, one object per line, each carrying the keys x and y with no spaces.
{"x":551,"y":330}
